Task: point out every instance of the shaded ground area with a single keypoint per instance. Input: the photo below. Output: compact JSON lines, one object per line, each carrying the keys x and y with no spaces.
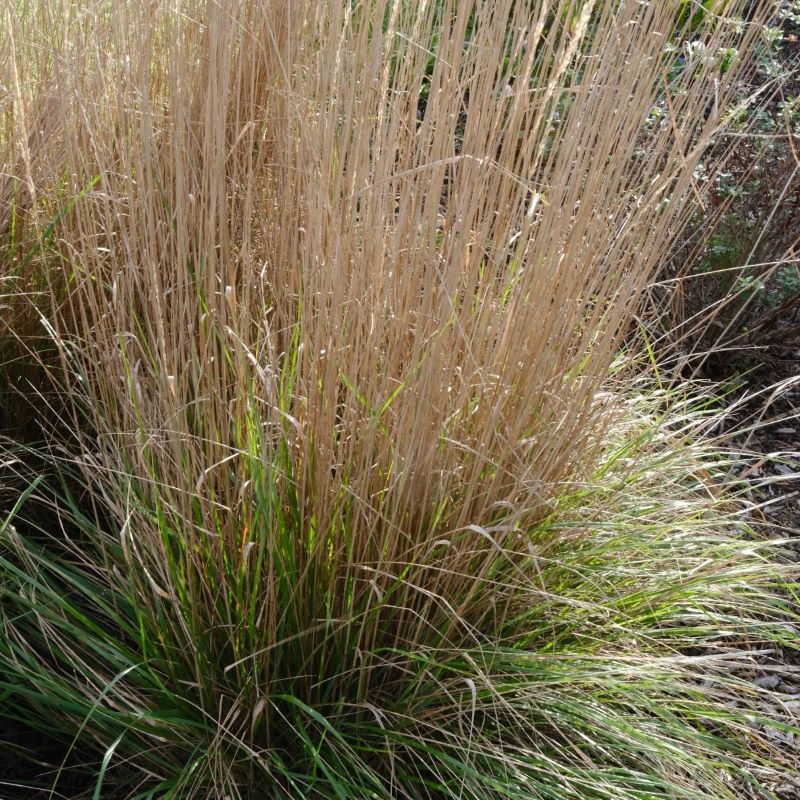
{"x":769,"y":429}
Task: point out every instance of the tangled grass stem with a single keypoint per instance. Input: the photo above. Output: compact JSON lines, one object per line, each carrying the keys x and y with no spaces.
{"x":338,"y":502}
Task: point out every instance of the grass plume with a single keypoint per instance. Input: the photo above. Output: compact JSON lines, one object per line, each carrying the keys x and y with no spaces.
{"x":335,"y":289}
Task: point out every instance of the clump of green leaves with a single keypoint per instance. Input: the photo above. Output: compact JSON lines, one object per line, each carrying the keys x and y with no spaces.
{"x":603,"y":651}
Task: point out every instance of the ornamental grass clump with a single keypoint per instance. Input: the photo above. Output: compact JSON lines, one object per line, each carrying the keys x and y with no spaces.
{"x":335,"y":505}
